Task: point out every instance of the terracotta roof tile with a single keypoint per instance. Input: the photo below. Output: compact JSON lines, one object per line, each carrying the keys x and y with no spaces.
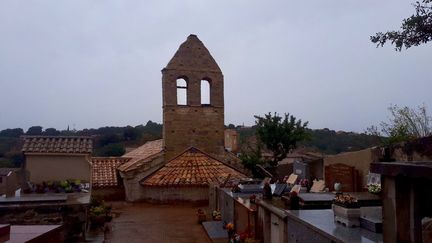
{"x":57,"y":144}
{"x":192,"y":168}
{"x":142,"y":155}
{"x":104,"y":171}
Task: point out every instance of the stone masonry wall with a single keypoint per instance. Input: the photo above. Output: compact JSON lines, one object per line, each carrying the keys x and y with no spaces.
{"x":200,"y":127}
{"x":193,"y":124}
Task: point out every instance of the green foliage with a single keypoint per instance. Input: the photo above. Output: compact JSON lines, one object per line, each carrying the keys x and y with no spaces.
{"x":16,"y":158}
{"x":131,"y":133}
{"x":99,"y":213}
{"x":251,"y":158}
{"x":4,"y":163}
{"x":112,"y":149}
{"x":51,"y":132}
{"x":280,"y":134}
{"x":323,"y":140}
{"x":333,"y":142}
{"x":404,"y":124}
{"x":34,"y":130}
{"x":109,"y":141}
{"x":12,"y":133}
{"x":415,"y":30}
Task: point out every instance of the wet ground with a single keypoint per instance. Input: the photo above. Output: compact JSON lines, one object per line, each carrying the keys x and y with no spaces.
{"x":143,"y":222}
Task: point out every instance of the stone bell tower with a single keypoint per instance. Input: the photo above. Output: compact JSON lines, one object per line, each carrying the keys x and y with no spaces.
{"x":193,"y":101}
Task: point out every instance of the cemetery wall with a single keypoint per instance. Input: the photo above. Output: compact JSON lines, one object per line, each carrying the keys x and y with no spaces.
{"x":57,"y":167}
{"x":175,"y":194}
{"x":360,"y":160}
{"x":109,"y":193}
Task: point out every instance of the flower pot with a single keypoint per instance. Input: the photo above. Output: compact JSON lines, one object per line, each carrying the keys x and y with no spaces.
{"x":350,"y":217}
{"x":337,"y":186}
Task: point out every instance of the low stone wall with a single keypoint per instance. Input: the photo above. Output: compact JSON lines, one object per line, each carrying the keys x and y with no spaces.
{"x":175,"y":194}
{"x":109,"y":193}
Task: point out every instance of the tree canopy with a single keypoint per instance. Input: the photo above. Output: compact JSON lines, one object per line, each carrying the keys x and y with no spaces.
{"x":415,"y":30}
{"x":280,"y":134}
{"x":404,"y":124}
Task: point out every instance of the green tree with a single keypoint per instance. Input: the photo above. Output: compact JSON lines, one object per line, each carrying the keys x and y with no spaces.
{"x":251,"y":158}
{"x":51,"y":132}
{"x":415,"y":30}
{"x":13,"y":133}
{"x":280,"y":134}
{"x":34,"y":130}
{"x":131,"y":133}
{"x":404,"y":124}
{"x":112,"y":149}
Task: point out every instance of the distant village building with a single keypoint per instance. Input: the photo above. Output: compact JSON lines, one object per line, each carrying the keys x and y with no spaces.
{"x":231,"y":140}
{"x":57,"y":158}
{"x":191,"y":154}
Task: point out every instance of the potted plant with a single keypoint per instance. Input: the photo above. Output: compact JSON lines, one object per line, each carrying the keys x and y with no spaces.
{"x":217,"y":215}
{"x":201,"y":216}
{"x":346,"y":210}
{"x":374,"y":188}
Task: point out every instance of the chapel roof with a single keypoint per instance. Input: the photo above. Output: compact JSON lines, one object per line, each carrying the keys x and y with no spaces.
{"x":142,"y":154}
{"x":192,"y":168}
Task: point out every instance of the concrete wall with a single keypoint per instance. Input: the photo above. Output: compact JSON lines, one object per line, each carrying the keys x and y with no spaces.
{"x":272,"y":223}
{"x":57,"y":167}
{"x":361,"y":160}
{"x":226,"y":205}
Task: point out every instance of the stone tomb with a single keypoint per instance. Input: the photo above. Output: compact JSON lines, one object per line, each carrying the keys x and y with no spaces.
{"x":344,"y":174}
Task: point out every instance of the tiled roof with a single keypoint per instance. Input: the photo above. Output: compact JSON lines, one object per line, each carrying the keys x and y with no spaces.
{"x":142,"y":154}
{"x":57,"y":144}
{"x":191,"y":168}
{"x":104,"y":171}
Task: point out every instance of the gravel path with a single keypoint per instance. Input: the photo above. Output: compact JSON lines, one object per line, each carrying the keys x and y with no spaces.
{"x":143,"y":222}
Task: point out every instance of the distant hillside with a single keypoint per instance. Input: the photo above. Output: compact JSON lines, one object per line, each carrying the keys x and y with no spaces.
{"x":112,"y":141}
{"x":332,"y":142}
{"x":324,"y":140}
{"x":108,"y":141}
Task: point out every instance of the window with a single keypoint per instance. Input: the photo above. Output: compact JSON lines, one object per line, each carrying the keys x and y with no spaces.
{"x":205,"y":92}
{"x":181,"y":91}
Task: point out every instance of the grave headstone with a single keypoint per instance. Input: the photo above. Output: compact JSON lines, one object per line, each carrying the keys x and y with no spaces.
{"x":292,"y":179}
{"x":318,"y":186}
{"x":344,"y":174}
{"x":280,"y":188}
{"x":301,"y":169}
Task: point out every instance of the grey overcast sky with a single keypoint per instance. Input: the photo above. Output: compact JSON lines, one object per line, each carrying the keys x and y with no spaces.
{"x":97,"y":63}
